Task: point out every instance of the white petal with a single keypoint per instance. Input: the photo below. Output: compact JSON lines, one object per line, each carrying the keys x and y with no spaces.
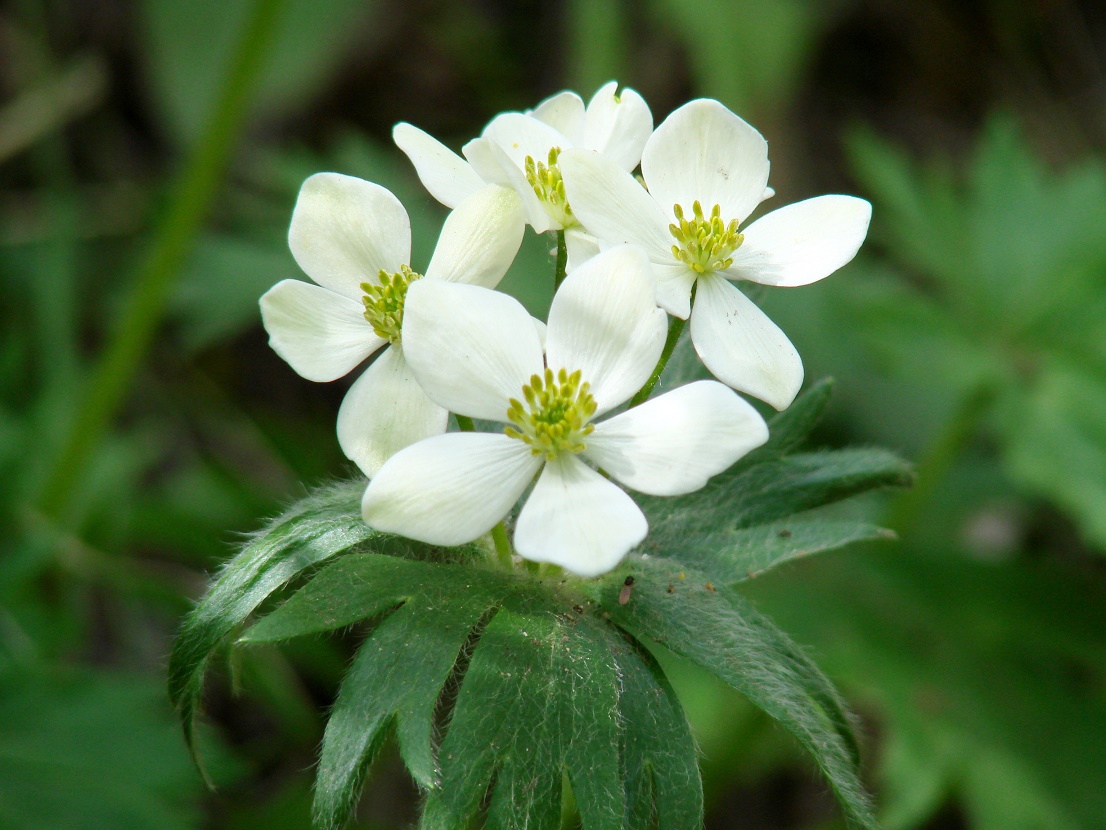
{"x":577,"y":519}
{"x":521,"y":135}
{"x":564,"y":112}
{"x":480,"y":238}
{"x":674,"y":283}
{"x":321,"y":334}
{"x":481,"y":154}
{"x":804,"y":242}
{"x":704,"y":152}
{"x":346,"y":230}
{"x":496,"y":166}
{"x":472,"y":349}
{"x":581,"y":246}
{"x":384,"y":411}
{"x":741,"y":346}
{"x":672,"y":444}
{"x":605,"y":322}
{"x":617,"y":126}
{"x":449,"y":489}
{"x":449,"y":178}
{"x":613,"y":205}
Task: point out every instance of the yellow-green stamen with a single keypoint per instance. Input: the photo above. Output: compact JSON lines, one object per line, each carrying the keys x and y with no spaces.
{"x":556,"y":415}
{"x":549,"y":187}
{"x":384,"y":302}
{"x":704,"y":243}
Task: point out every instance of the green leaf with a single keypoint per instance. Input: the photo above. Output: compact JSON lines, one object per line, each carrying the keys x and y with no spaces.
{"x":385,"y":682}
{"x":189,"y":45}
{"x":681,"y":610}
{"x":320,"y":526}
{"x":361,"y":586}
{"x":787,"y":430}
{"x":1056,"y":443}
{"x":660,"y":764}
{"x":89,"y":749}
{"x":732,"y":556}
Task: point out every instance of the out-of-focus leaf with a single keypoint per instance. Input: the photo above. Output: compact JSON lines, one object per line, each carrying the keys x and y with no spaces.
{"x":189,"y":46}
{"x":681,"y":610}
{"x":91,"y":749}
{"x":1056,"y":443}
{"x":750,"y":55}
{"x":989,"y":679}
{"x":217,"y":295}
{"x":316,"y":528}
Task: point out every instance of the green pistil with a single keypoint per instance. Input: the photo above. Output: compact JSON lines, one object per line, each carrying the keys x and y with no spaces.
{"x":556,"y":415}
{"x":384,"y":302}
{"x":549,"y":187}
{"x":705,"y":243}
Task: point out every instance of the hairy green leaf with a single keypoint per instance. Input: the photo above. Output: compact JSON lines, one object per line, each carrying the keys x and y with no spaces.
{"x":732,"y":556}
{"x":721,"y":631}
{"x":322,"y":525}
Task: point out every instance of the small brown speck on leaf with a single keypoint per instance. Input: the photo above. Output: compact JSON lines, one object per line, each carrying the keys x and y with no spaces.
{"x":627,"y":586}
{"x":784,"y":533}
{"x":671,"y":589}
{"x":710,"y":587}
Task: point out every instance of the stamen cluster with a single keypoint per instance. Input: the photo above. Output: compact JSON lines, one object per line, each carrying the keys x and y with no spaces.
{"x":384,"y":302}
{"x":705,"y":243}
{"x":549,"y":187}
{"x":557,"y":414}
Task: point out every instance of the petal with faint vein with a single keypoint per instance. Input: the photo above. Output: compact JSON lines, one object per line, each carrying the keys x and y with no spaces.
{"x":449,"y":489}
{"x":802,"y":243}
{"x":617,"y":125}
{"x":346,"y":230}
{"x":449,"y":178}
{"x":741,"y":346}
{"x":480,"y":238}
{"x":471,"y":349}
{"x":384,"y":411}
{"x":605,"y":322}
{"x":672,"y":444}
{"x":613,"y":205}
{"x":322,"y":335}
{"x":704,"y":152}
{"x":577,"y":519}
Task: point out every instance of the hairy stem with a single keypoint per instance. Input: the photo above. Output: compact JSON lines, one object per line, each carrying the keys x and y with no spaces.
{"x":173,"y":240}
{"x":562,"y":260}
{"x":675,"y":329}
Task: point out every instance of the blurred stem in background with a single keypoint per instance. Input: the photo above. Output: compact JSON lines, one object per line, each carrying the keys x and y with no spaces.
{"x":187,"y":207}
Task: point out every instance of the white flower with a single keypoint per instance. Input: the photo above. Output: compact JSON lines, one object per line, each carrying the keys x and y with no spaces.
{"x":705,"y":171}
{"x":353,"y":238}
{"x":478,"y":353}
{"x":520,"y":150}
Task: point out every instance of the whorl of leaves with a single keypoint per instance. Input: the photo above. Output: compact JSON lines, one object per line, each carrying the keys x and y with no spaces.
{"x":499,"y":686}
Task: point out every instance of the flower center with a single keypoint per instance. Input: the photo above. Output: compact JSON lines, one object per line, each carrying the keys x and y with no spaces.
{"x":556,"y":415}
{"x":704,"y":243}
{"x":549,"y":187}
{"x":384,"y":302}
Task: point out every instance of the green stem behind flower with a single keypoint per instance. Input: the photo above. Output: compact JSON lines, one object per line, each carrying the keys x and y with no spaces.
{"x":173,"y":240}
{"x":562,"y":260}
{"x":675,"y":329}
{"x":499,"y":532}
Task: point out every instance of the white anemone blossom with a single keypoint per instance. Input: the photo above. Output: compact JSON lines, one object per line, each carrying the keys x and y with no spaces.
{"x":478,"y":353}
{"x":353,"y":238}
{"x":705,"y":171}
{"x":520,"y":150}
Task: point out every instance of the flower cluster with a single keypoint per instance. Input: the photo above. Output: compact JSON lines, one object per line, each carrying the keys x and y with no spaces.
{"x":671,"y":242}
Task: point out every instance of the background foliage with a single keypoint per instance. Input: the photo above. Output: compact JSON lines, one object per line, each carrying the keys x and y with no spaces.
{"x":150,"y":153}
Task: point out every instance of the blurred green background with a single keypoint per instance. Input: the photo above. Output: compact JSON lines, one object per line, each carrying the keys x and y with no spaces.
{"x":150,"y":154}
